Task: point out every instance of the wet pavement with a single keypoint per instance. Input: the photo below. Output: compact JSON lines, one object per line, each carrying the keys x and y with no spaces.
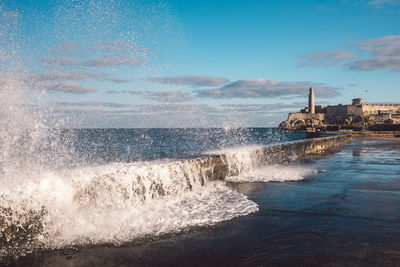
{"x":345,"y":214}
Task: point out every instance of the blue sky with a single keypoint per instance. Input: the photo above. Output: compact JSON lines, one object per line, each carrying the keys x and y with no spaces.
{"x":197,"y":63}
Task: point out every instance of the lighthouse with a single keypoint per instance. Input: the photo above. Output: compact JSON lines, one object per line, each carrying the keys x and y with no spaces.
{"x":311,"y":106}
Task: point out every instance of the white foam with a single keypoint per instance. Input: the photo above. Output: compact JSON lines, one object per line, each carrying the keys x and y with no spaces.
{"x":273,"y":173}
{"x":247,"y":164}
{"x":116,"y":203}
{"x":240,"y":159}
{"x":119,"y":202}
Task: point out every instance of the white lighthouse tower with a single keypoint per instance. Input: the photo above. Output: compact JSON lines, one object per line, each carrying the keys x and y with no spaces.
{"x":311,"y":106}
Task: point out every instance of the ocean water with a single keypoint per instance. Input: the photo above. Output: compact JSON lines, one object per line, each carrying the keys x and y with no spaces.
{"x":129,"y":145}
{"x":344,"y":213}
{"x":113,"y":186}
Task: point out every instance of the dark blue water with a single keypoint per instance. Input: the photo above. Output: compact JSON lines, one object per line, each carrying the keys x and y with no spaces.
{"x":128,"y":145}
{"x":68,"y":148}
{"x":105,"y":186}
{"x":347,"y":214}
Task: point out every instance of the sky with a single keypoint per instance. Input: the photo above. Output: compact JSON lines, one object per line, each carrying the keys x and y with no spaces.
{"x":179,"y":63}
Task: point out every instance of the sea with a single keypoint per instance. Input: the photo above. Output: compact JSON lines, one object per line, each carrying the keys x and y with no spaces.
{"x":64,"y":188}
{"x":137,"y":197}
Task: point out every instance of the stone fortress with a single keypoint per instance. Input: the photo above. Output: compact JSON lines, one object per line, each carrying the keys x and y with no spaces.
{"x":357,"y":116}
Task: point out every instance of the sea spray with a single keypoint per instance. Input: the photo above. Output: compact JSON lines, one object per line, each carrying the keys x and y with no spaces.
{"x":243,"y":159}
{"x":33,"y":148}
{"x":53,"y":194}
{"x":118,"y":202}
{"x":273,"y":173}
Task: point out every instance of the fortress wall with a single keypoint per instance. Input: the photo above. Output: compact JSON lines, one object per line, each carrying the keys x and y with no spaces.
{"x":340,"y":110}
{"x":395,"y":116}
{"x":381,"y":118}
{"x":355,"y":110}
{"x":383,"y":108}
{"x":304,"y":116}
{"x":320,"y":109}
{"x":336,"y":114}
{"x":346,"y":115}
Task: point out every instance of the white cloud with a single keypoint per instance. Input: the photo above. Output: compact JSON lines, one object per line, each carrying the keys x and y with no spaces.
{"x":66,"y":48}
{"x":118,"y":80}
{"x":383,"y":53}
{"x":74,"y":76}
{"x":105,"y":61}
{"x":171,"y":115}
{"x":176,"y":108}
{"x":327,"y":59}
{"x":9,"y":14}
{"x":131,"y":92}
{"x":262,"y":88}
{"x":169,"y":96}
{"x":113,"y":45}
{"x":191,"y":80}
{"x":99,"y":76}
{"x":59,"y":76}
{"x":120,"y":46}
{"x":69,"y":87}
{"x":387,"y":45}
{"x":376,"y":63}
{"x":61,"y":61}
{"x":381,"y":3}
{"x":114,"y":61}
{"x":260,"y":108}
{"x":92,"y":104}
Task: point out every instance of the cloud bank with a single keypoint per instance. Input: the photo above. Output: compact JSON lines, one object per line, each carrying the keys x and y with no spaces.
{"x":383,"y":53}
{"x":327,"y":59}
{"x":380,"y":54}
{"x":169,"y":96}
{"x":262,"y":88}
{"x":100,"y":62}
{"x":193,"y":81}
{"x":69,"y":87}
{"x":92,"y":104}
{"x":382,"y":3}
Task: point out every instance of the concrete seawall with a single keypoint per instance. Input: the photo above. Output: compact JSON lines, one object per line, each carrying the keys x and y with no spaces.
{"x":21,"y":228}
{"x":369,"y":133}
{"x":216,"y":167}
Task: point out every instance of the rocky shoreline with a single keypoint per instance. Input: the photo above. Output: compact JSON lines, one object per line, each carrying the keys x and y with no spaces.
{"x":354,"y":123}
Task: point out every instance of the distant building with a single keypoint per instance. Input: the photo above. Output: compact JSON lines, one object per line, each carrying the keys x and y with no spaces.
{"x":357,"y":101}
{"x":346,"y":114}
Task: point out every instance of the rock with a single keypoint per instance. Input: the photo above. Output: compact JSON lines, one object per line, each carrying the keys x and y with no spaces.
{"x":284,"y":125}
{"x":20,"y":231}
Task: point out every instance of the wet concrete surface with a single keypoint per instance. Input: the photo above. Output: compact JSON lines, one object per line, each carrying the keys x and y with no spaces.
{"x":346,"y":214}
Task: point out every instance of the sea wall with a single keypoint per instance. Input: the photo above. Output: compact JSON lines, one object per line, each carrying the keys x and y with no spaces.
{"x":217,"y":167}
{"x":28,"y":226}
{"x":371,"y":133}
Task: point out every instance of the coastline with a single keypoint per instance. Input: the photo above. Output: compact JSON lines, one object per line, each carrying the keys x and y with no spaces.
{"x":336,"y":216}
{"x":202,"y":169}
